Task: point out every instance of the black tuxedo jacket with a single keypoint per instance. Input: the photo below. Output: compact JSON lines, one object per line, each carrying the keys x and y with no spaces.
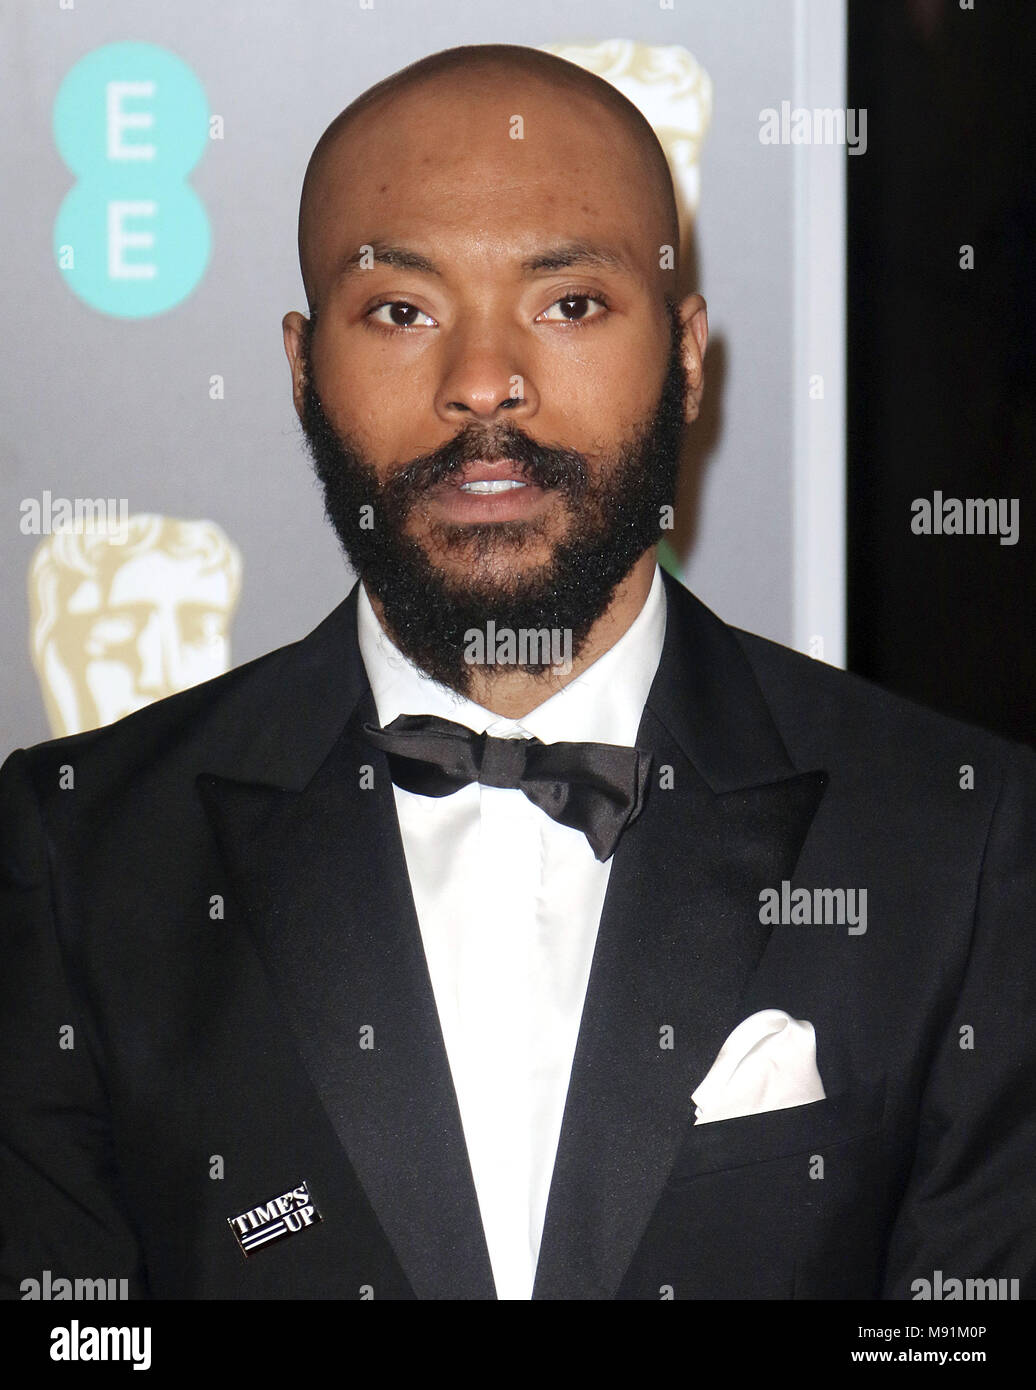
{"x":220,"y":909}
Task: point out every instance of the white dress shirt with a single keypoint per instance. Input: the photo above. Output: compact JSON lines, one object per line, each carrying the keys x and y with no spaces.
{"x":508,"y":903}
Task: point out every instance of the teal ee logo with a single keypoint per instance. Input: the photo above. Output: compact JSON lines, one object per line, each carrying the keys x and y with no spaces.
{"x":131,"y":238}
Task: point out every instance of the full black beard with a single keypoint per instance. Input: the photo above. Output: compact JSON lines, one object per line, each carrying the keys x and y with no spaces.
{"x":613,"y":518}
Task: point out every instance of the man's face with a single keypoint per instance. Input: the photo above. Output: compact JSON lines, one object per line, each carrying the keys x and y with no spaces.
{"x":499,"y":378}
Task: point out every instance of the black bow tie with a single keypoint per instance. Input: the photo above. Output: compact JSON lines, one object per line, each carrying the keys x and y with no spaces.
{"x":597,"y":788}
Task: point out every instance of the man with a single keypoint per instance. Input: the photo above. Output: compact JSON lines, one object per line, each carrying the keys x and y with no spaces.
{"x":721,"y":989}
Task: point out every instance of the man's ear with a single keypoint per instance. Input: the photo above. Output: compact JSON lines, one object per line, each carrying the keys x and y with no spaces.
{"x":294,"y":327}
{"x":694,"y":317}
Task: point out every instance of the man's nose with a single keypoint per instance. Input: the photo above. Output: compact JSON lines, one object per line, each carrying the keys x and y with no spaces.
{"x":487,"y":374}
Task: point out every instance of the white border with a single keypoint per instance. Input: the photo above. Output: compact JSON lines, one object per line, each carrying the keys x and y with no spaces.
{"x":818,"y":426}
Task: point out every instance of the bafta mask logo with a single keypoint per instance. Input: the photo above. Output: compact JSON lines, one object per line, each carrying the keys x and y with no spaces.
{"x":121,"y":617}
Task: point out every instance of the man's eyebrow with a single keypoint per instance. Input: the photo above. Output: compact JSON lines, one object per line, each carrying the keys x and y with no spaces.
{"x":578,"y":253}
{"x":559,"y":257}
{"x":382,"y":253}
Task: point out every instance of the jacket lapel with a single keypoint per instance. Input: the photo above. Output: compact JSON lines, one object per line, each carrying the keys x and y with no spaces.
{"x":316,"y":858}
{"x":678,"y":942}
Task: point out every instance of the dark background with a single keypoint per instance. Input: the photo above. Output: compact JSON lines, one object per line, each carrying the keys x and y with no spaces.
{"x":942,"y":361}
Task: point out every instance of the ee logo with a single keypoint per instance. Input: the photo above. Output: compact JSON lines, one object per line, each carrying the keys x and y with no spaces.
{"x":131,"y":238}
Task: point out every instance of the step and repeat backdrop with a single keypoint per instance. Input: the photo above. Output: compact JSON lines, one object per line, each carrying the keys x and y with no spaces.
{"x":160,"y":519}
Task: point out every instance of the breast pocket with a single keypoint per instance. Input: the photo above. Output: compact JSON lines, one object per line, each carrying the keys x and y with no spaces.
{"x":750,"y":1139}
{"x":786,"y":1204}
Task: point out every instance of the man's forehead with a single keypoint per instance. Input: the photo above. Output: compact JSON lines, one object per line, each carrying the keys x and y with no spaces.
{"x":510,"y":228}
{"x":410,"y":172}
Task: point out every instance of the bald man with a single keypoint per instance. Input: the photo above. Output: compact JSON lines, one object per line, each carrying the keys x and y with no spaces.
{"x":524,"y":931}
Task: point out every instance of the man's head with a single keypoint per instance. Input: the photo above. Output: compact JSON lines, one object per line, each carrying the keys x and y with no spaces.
{"x":483,"y":239}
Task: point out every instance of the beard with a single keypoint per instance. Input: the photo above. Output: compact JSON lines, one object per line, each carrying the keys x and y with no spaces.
{"x":613,"y":516}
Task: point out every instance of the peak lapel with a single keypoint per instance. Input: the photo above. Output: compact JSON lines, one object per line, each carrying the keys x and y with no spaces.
{"x":679,"y":940}
{"x":318,"y":862}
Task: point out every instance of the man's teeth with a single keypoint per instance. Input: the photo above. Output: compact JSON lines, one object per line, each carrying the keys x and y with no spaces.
{"x":491,"y":485}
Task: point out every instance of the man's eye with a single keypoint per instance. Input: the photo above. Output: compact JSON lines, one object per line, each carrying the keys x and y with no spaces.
{"x":400,"y":314}
{"x":575,"y":308}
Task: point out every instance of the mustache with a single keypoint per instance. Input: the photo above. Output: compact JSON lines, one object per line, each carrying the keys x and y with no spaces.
{"x":540,"y":464}
{"x":544,"y":465}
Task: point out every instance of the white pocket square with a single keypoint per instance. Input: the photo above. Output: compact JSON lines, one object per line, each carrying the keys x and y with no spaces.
{"x":769,"y":1062}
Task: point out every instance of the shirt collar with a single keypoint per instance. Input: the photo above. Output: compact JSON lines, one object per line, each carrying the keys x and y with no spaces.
{"x":604,"y":703}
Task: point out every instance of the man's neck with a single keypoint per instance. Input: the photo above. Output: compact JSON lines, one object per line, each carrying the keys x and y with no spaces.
{"x":512,"y":693}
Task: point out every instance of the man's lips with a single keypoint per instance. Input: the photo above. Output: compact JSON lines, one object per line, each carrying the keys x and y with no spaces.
{"x":494,"y":490}
{"x":494,"y":471}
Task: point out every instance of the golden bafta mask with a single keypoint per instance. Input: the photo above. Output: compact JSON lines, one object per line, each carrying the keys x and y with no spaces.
{"x":124,"y":615}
